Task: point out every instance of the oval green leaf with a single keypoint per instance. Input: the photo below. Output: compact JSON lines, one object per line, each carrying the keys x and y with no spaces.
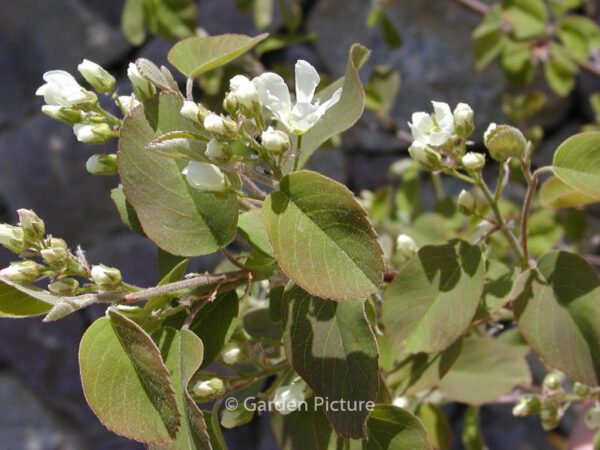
{"x":197,"y":55}
{"x":332,"y":347}
{"x":178,"y":218}
{"x":393,"y":428}
{"x":431,"y":302}
{"x":555,"y":193}
{"x":558,"y":312}
{"x":18,"y":301}
{"x":577,"y":163}
{"x":322,"y":237}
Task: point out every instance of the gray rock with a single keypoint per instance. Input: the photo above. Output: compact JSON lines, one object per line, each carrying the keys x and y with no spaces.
{"x":51,"y":34}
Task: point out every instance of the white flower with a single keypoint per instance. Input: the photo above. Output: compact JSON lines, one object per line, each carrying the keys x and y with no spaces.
{"x":143,"y":88}
{"x":464,"y":120}
{"x":275,"y":96}
{"x":244,"y":91}
{"x":473,"y":161}
{"x":401,"y":402}
{"x":190,"y":110}
{"x":205,"y":177}
{"x":232,"y":355}
{"x":406,"y":246}
{"x":208,"y":389}
{"x":434,"y":129}
{"x":425,"y":155}
{"x":96,"y":76}
{"x":61,"y":89}
{"x":107,"y":278}
{"x":215,"y":124}
{"x":214,"y":150}
{"x":97,"y":133}
{"x":102,"y":164}
{"x":288,"y":399}
{"x":127,"y":103}
{"x":275,"y":141}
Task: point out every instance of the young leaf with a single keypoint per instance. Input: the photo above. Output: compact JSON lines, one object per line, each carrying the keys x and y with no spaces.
{"x":554,"y":193}
{"x":322,"y":238}
{"x":332,"y":347}
{"x":344,"y":113}
{"x":436,"y":423}
{"x":557,"y":310}
{"x":251,"y":226}
{"x":258,"y":324}
{"x":431,"y":302}
{"x":472,"y":437}
{"x":126,"y":211}
{"x":182,"y":352}
{"x":133,"y":21}
{"x":197,"y":55}
{"x":125,"y":381}
{"x":392,"y":428}
{"x":178,"y":218}
{"x":577,"y":163}
{"x":484,"y":371}
{"x":18,"y":301}
{"x":527,"y":17}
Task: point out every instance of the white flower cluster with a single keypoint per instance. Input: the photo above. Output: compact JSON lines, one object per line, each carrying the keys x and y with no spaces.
{"x":268,"y":96}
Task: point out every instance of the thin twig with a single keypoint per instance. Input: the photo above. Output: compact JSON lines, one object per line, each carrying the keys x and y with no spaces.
{"x":189,"y":89}
{"x":475,"y":5}
{"x":532,"y":183}
{"x":233,"y":260}
{"x":253,"y":186}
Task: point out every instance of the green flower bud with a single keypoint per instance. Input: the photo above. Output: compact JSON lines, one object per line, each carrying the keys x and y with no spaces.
{"x":70,"y":116}
{"x":466,"y":203}
{"x":190,"y":110}
{"x":473,"y":161}
{"x":464,"y":124}
{"x":208,"y":389}
{"x":230,"y":103}
{"x":425,"y":156}
{"x":406,"y":247}
{"x":215,"y":151}
{"x":32,"y":225}
{"x":57,"y":242}
{"x":102,"y":164}
{"x":231,"y":354}
{"x":67,"y":287}
{"x":592,"y":418}
{"x":553,"y":381}
{"x":93,"y":133}
{"x":581,"y":390}
{"x":143,"y":89}
{"x":220,"y":125}
{"x":275,"y":141}
{"x":22,"y":272}
{"x":549,"y":415}
{"x":504,"y":141}
{"x":106,"y":278}
{"x":97,"y":77}
{"x":526,"y":406}
{"x":12,"y":238}
{"x":55,"y":256}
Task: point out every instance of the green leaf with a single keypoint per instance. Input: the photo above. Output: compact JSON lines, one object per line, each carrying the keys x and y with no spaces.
{"x":438,"y":289}
{"x":180,"y":144}
{"x":577,"y":163}
{"x":557,"y":310}
{"x":322,"y":238}
{"x":214,"y":428}
{"x":263,"y":14}
{"x":258,"y":324}
{"x":214,"y":324}
{"x":527,"y":17}
{"x":345,"y":112}
{"x":177,"y":217}
{"x":392,"y":428}
{"x":125,"y":210}
{"x":559,"y":77}
{"x":472,"y":437}
{"x":251,"y":226}
{"x":172,"y":19}
{"x":182,"y":352}
{"x":484,"y":371}
{"x":295,"y":431}
{"x":437,"y":425}
{"x":155,"y":75}
{"x":68,"y":305}
{"x":332,"y":347}
{"x":499,"y":279}
{"x":382,"y":89}
{"x":133,"y":21}
{"x":554,"y":193}
{"x":18,"y":301}
{"x":488,"y":40}
{"x":197,"y":55}
{"x":125,"y":381}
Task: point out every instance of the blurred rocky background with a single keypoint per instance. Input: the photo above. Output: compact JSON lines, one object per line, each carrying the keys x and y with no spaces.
{"x":42,"y":167}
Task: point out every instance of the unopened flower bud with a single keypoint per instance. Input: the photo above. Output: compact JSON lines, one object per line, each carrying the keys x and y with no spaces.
{"x":425,"y":155}
{"x":143,"y":88}
{"x":473,"y":161}
{"x":127,"y":103}
{"x":33,"y":227}
{"x":220,"y":125}
{"x":65,"y":286}
{"x":70,"y":116}
{"x":97,"y":77}
{"x":205,"y":177}
{"x":466,"y":203}
{"x":288,"y":399}
{"x":209,"y":389}
{"x":190,"y":110}
{"x":463,"y":120}
{"x":553,"y":381}
{"x":102,"y":164}
{"x":592,"y":418}
{"x":526,"y":406}
{"x":549,"y":415}
{"x":230,"y":103}
{"x":55,"y":256}
{"x":106,"y":278}
{"x":232,"y":354}
{"x":244,"y":91}
{"x":504,"y":141}
{"x":406,"y":246}
{"x":22,"y":272}
{"x":581,"y":390}
{"x":93,"y":133}
{"x":215,"y":151}
{"x":62,"y":89}
{"x":12,"y":238}
{"x":275,"y":141}
{"x":57,"y":242}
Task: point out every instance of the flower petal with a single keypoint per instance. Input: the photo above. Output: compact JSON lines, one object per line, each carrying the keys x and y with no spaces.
{"x":322,"y":109}
{"x":307,"y":80}
{"x":274,"y":94}
{"x":304,"y":117}
{"x":443,"y":116}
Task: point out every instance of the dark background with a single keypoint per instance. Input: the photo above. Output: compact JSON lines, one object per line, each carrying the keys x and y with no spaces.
{"x":42,"y":167}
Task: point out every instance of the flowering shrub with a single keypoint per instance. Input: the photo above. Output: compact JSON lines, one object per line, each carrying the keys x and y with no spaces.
{"x":346,"y":318}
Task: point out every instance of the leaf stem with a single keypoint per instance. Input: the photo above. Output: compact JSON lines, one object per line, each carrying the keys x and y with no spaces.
{"x":475,"y":5}
{"x":298,"y":150}
{"x":438,"y":187}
